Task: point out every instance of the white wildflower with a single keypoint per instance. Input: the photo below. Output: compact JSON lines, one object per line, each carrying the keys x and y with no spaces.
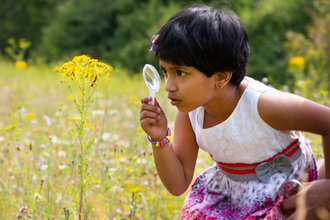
{"x":61,"y":167}
{"x":44,"y":167}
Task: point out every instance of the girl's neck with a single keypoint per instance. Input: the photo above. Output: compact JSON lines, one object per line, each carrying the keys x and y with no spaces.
{"x":223,"y":104}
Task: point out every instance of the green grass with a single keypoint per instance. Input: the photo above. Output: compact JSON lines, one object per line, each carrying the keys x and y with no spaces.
{"x":122,"y":154}
{"x":35,"y":105}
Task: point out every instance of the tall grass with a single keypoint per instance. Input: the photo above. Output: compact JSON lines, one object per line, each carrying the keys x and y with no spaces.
{"x":36,"y":106}
{"x":38,"y":141}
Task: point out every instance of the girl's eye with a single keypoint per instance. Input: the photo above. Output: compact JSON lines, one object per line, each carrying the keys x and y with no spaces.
{"x":180,"y":73}
{"x":164,"y":71}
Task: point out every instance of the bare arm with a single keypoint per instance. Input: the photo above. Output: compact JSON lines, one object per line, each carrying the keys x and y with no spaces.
{"x":175,"y":162}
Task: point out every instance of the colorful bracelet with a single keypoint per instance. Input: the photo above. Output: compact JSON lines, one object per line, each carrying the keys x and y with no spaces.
{"x":163,"y":142}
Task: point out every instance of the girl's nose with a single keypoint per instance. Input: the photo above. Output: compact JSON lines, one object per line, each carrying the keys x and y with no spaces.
{"x":170,"y":85}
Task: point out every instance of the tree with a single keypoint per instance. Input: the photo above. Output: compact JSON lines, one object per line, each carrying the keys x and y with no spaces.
{"x":24,"y":19}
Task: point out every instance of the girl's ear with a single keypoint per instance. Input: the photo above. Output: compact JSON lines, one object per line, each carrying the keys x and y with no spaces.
{"x":222,"y":78}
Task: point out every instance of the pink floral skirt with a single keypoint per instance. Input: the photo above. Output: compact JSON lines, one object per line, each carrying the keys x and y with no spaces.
{"x":214,"y":196}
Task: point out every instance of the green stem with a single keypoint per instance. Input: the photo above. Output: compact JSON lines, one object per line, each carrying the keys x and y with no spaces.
{"x":132,"y":208}
{"x":81,"y":199}
{"x":36,"y":201}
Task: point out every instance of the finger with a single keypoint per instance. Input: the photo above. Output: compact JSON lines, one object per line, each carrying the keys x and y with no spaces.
{"x":158,"y":106}
{"x":146,"y":122}
{"x":146,"y":99}
{"x":149,"y":107}
{"x":157,"y":103}
{"x":149,"y":114}
{"x":289,"y":203}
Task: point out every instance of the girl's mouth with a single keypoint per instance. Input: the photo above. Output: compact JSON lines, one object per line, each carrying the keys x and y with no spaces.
{"x":175,"y":101}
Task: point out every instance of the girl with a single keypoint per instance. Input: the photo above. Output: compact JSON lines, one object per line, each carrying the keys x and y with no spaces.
{"x":250,"y":130}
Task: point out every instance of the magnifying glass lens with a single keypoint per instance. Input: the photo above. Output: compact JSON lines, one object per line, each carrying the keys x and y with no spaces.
{"x":151,"y":80}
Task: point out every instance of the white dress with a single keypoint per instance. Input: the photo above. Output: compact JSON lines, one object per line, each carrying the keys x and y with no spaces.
{"x":245,"y":139}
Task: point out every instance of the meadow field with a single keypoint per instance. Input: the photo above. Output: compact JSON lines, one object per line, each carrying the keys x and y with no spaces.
{"x":35,"y":106}
{"x":38,"y":143}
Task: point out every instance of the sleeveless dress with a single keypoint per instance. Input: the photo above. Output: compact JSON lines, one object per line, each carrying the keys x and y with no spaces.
{"x":230,"y":189}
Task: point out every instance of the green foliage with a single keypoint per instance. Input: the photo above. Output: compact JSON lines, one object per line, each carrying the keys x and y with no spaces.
{"x":24,"y":19}
{"x":313,"y":47}
{"x":119,"y":31}
{"x":267,"y":23}
{"x":85,"y":28}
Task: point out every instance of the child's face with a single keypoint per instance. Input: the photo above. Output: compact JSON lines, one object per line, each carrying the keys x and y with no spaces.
{"x":187,"y":87}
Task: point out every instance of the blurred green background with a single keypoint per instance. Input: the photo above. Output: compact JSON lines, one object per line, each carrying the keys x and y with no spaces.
{"x":119,"y":32}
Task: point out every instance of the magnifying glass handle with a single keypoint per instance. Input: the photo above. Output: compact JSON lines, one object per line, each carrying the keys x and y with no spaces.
{"x":152,"y":94}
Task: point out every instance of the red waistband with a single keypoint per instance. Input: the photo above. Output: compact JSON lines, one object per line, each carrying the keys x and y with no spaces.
{"x":234,"y":167}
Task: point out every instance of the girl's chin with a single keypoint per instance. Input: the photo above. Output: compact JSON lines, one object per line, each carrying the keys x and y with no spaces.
{"x":183,"y":109}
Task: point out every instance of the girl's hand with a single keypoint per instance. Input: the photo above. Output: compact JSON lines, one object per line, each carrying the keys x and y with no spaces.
{"x":317,"y":200}
{"x":153,"y":119}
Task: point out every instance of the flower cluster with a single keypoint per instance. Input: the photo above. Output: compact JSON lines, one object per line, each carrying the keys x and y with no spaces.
{"x":83,"y":67}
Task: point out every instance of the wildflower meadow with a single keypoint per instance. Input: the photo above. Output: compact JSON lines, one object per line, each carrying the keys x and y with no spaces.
{"x":43,"y":165}
{"x":71,"y":145}
{"x":41,"y":171}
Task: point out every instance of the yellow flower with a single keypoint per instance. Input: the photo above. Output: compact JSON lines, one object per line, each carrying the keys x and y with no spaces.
{"x":24,"y":43}
{"x":10,"y":128}
{"x":10,"y":41}
{"x":83,"y":67}
{"x":322,"y":92}
{"x":29,"y":116}
{"x":20,"y":64}
{"x":74,"y":118}
{"x":136,"y":102}
{"x":88,"y":125}
{"x":9,"y":50}
{"x":297,"y":61}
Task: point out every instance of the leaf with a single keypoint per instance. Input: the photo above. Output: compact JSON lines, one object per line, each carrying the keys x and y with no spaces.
{"x":127,"y":186}
{"x":90,"y":144}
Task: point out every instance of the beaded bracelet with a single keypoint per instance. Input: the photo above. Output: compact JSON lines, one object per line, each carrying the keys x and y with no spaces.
{"x":163,"y":142}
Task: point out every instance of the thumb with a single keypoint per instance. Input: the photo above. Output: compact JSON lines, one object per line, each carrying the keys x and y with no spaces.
{"x":289,"y":203}
{"x":157,"y":104}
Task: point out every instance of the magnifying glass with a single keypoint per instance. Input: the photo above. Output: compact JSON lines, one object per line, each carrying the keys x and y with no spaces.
{"x":152,"y":80}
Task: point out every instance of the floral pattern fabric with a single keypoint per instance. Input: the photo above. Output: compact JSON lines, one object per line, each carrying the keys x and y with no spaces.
{"x":214,"y":196}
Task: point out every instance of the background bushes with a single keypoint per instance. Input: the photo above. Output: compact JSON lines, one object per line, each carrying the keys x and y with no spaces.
{"x":119,"y":31}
